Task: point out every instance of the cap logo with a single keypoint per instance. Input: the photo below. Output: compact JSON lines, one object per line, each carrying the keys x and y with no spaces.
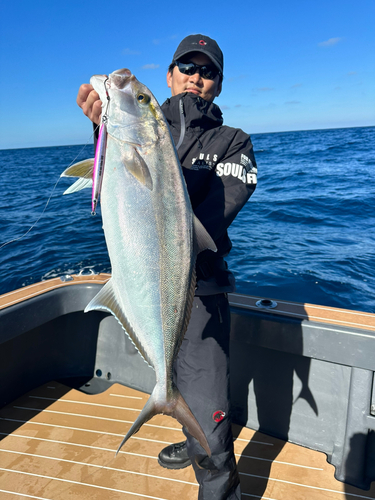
{"x":202,"y":42}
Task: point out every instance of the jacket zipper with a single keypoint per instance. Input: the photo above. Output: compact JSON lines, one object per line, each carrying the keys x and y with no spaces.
{"x":183,"y":125}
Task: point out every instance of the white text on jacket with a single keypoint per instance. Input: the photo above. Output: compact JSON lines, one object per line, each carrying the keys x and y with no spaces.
{"x":238,"y":171}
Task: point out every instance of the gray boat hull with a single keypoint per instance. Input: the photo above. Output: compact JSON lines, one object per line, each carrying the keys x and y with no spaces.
{"x":309,"y":382}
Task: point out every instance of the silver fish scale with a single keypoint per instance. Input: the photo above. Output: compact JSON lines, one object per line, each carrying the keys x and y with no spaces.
{"x":150,"y":243}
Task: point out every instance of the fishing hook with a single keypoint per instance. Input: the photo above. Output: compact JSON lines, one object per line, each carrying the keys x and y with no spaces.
{"x":105,"y":116}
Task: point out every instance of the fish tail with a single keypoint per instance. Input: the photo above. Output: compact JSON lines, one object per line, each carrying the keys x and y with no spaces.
{"x":148,"y":411}
{"x":183,"y":414}
{"x":177,"y":408}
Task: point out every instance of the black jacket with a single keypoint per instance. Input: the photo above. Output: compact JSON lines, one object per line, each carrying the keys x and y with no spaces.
{"x":221,"y":174}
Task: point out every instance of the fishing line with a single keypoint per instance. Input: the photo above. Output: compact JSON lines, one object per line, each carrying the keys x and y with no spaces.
{"x":49,"y":199}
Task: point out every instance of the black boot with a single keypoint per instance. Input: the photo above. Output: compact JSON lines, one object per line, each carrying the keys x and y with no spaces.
{"x":174,"y":456}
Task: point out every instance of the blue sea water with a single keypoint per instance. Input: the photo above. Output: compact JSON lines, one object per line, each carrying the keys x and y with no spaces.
{"x":307,"y":234}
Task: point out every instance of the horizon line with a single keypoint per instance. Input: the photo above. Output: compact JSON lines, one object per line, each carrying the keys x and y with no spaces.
{"x":251,"y":135}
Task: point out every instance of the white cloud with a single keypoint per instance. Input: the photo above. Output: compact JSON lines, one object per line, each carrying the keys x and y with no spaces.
{"x":296,"y":86}
{"x":292,"y":103}
{"x":234,"y":78}
{"x":129,"y":52}
{"x":264,"y":89}
{"x":158,"y":41}
{"x":151,"y":66}
{"x":330,"y":42}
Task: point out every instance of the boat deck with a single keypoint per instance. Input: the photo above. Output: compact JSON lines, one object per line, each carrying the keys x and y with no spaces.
{"x":59,"y":443}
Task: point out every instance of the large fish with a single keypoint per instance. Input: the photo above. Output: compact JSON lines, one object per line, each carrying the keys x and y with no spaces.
{"x":152,"y":237}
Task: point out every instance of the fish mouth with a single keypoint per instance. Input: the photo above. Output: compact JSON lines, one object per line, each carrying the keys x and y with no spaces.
{"x":121,"y":77}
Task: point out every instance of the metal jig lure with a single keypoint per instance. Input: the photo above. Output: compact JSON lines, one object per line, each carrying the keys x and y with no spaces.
{"x":99,"y":161}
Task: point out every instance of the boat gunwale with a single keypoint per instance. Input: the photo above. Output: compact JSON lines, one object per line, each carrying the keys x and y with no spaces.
{"x":299,"y":311}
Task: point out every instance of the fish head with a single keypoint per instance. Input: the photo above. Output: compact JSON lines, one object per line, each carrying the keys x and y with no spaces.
{"x":133,"y":115}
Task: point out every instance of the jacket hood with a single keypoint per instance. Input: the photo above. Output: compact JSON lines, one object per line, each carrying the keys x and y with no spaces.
{"x":200,"y":115}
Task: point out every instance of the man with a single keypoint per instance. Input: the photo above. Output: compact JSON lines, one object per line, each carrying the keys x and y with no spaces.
{"x":220,"y":171}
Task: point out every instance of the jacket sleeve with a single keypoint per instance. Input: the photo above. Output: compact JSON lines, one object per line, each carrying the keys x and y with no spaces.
{"x":232,"y":184}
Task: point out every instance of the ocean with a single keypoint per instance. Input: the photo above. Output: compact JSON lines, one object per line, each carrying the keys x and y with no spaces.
{"x":307,"y":234}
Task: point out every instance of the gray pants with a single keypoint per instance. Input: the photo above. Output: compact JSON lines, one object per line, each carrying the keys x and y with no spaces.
{"x":202,"y":377}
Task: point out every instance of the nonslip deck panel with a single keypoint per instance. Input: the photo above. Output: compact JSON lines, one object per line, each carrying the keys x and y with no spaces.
{"x":58,"y":443}
{"x":295,"y":374}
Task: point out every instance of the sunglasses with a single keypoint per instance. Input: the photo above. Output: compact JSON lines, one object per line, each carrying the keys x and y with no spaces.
{"x":207,"y":71}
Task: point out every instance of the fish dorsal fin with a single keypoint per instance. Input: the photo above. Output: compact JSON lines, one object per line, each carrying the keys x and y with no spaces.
{"x":106,"y":300}
{"x":135,"y":164}
{"x":82,"y":169}
{"x":202,"y":238}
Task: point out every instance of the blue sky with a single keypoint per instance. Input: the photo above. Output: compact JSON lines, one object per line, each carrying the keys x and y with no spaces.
{"x":290,"y":65}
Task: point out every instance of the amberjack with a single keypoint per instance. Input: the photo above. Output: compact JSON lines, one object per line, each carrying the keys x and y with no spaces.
{"x":152,"y":235}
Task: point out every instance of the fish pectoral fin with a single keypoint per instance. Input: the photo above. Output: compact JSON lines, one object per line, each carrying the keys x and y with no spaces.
{"x":82,"y":169}
{"x":135,"y":164}
{"x":106,"y":300}
{"x":202,"y":238}
{"x":78,"y":185}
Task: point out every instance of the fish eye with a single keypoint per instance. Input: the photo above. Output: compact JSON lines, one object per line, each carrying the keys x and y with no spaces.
{"x":143,"y":98}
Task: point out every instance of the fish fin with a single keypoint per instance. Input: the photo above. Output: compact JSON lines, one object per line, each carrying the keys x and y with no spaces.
{"x":203,"y":239}
{"x":176,"y":408}
{"x":188,"y":308}
{"x":78,"y":185}
{"x":136,"y":165}
{"x":148,"y":411}
{"x":183,"y":414}
{"x":82,"y":169}
{"x":106,"y":300}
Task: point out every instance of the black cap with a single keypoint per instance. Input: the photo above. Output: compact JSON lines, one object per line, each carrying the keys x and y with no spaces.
{"x":201,"y":43}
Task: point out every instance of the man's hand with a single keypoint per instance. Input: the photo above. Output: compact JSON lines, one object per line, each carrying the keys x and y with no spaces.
{"x":88,"y":100}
